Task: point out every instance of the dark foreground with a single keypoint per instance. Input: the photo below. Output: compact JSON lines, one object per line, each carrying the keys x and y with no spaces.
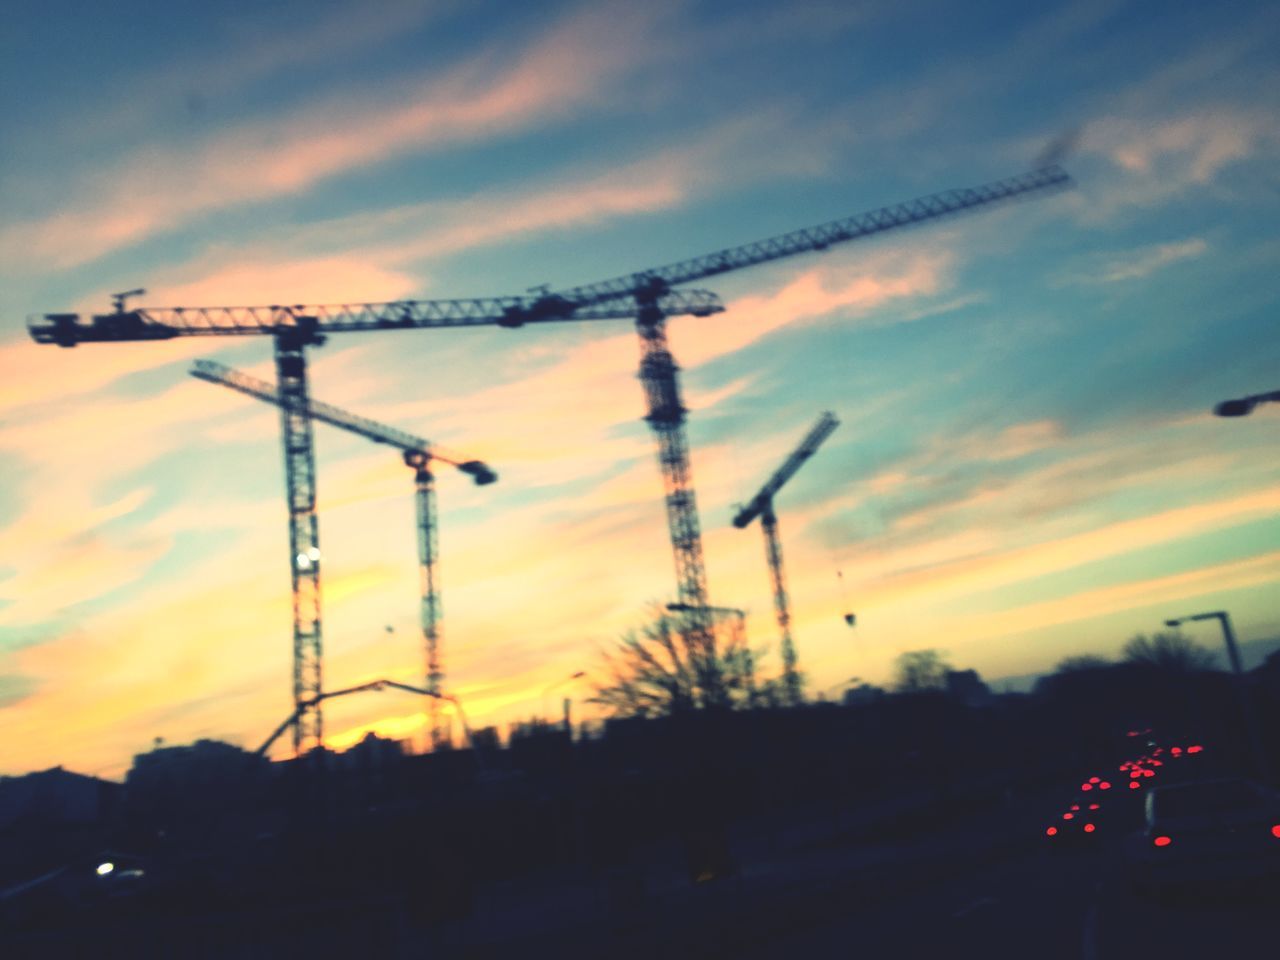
{"x":986,"y":884}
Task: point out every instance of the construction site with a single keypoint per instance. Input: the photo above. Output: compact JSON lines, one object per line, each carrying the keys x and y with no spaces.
{"x":487,"y":681}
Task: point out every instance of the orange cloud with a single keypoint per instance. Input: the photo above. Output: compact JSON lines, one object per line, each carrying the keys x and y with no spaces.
{"x":989,"y":570}
{"x":335,"y":279}
{"x":570,"y":66}
{"x":1086,"y":605}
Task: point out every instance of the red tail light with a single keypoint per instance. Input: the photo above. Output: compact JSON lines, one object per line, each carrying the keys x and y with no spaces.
{"x":1089,"y":828}
{"x":1195,"y":749}
{"x":1134,"y":784}
{"x":1162,"y":841}
{"x":1094,"y":779}
{"x":1052,"y":831}
{"x":1068,"y":816}
{"x":1105,"y":785}
{"x":1275,"y":831}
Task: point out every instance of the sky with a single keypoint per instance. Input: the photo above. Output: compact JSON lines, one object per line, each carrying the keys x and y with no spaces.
{"x":1026,"y":466}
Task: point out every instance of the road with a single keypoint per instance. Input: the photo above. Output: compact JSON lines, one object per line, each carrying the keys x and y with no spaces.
{"x":1074,"y":905}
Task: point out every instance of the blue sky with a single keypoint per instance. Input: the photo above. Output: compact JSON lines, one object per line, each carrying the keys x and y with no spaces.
{"x":1026,"y":466}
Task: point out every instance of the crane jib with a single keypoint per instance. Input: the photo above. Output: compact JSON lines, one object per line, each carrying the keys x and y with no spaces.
{"x":822,"y":236}
{"x":313,"y":320}
{"x":216,"y":373}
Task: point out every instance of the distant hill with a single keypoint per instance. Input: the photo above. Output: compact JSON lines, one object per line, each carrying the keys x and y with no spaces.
{"x":1252,"y":654}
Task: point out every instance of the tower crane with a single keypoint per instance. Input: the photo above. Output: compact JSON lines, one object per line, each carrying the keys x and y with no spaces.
{"x":666,"y":411}
{"x":761,"y":506}
{"x":293,"y":329}
{"x":417,"y":454}
{"x":646,"y":296}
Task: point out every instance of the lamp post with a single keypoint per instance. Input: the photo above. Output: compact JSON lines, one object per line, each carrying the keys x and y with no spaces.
{"x":1233,"y":653}
{"x":1243,"y":406}
{"x":560,"y":683}
{"x":1228,"y":635}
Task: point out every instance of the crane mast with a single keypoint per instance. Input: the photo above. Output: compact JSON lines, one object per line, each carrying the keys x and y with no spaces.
{"x":304,"y":534}
{"x":666,"y":416}
{"x":417,"y":454}
{"x":761,"y":505}
{"x":424,"y":498}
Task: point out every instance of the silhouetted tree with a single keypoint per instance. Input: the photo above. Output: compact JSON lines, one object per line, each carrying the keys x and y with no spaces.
{"x":919,"y":670}
{"x":1171,"y":652}
{"x":657,"y":671}
{"x":1085,"y":661}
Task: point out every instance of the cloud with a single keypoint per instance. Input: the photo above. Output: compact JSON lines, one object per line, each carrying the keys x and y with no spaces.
{"x":1115,"y":598}
{"x":37,"y":374}
{"x":261,"y":51}
{"x":74,"y":571}
{"x":333,"y":279}
{"x":373,"y":256}
{"x":1137,"y":264}
{"x":1201,"y":145}
{"x":1150,"y":259}
{"x":575,"y":64}
{"x":1004,"y":566}
{"x":1162,"y":157}
{"x":14,"y":688}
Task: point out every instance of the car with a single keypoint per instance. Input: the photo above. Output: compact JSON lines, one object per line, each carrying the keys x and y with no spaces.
{"x":1206,"y":834}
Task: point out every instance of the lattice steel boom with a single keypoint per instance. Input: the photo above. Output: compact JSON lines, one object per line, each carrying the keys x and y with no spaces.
{"x":167,"y":323}
{"x":661,"y":280}
{"x":417,"y":454}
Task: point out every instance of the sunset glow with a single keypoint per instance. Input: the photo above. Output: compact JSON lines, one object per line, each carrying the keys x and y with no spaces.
{"x":1026,"y":467}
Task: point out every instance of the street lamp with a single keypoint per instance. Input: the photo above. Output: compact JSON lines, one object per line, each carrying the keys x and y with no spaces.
{"x":1246,"y":701}
{"x":1228,"y":635}
{"x":560,"y":683}
{"x":1243,"y":406}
